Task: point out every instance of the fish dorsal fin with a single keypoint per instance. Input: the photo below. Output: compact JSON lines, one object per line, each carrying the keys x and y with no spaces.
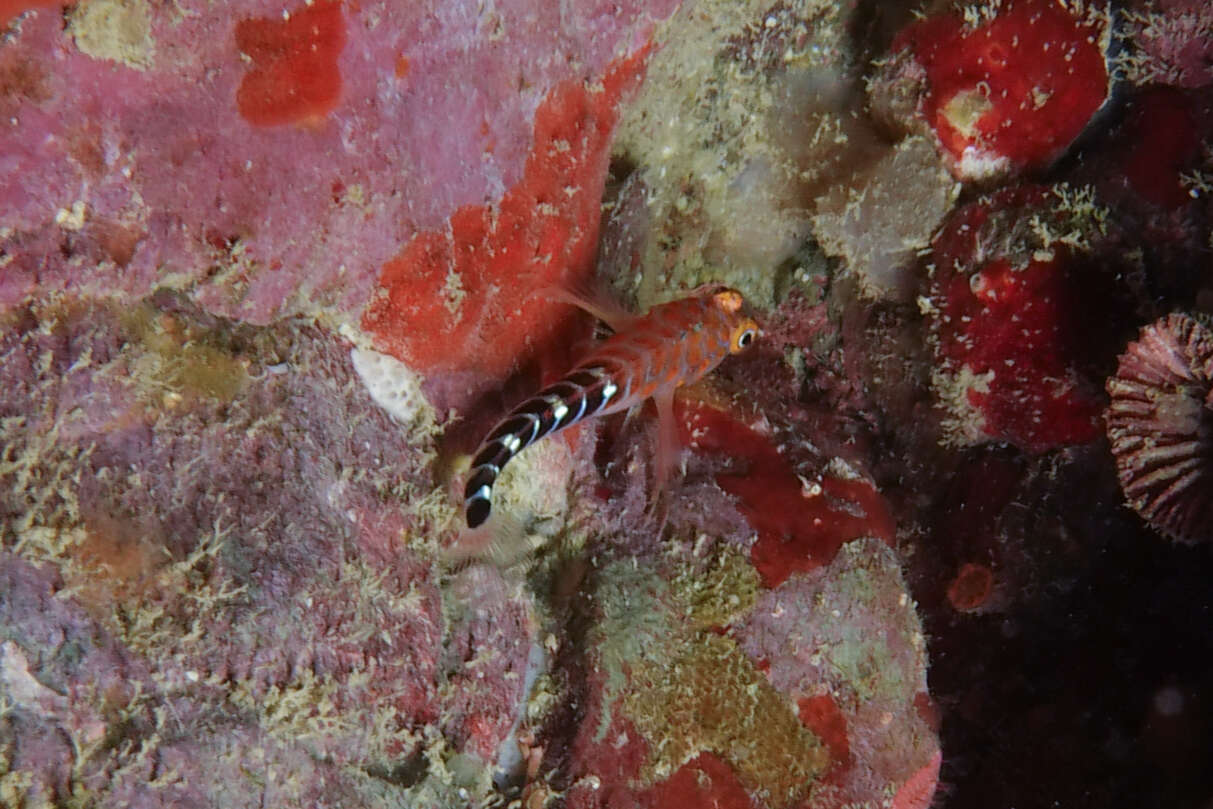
{"x":592,"y":300}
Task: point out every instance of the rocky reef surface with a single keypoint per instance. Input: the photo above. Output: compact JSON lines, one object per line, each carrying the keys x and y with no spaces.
{"x":268,"y":273}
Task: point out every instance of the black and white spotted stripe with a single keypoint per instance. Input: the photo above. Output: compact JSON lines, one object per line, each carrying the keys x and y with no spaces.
{"x":581,"y":394}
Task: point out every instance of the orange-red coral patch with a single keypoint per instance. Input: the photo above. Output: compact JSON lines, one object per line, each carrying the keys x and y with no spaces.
{"x":971,"y":588}
{"x":294,"y":75}
{"x":464,"y":298}
{"x":822,"y":715}
{"x":11,"y":9}
{"x":800,"y":526}
{"x":704,"y":781}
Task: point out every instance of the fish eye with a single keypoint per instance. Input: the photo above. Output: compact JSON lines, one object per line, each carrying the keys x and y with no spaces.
{"x":744,"y":336}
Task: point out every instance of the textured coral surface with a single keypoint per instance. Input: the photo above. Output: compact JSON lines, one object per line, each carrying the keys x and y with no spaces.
{"x":1160,"y":425}
{"x":215,"y":514}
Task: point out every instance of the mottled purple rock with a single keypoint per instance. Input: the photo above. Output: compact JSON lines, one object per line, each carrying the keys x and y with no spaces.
{"x":215,"y":545}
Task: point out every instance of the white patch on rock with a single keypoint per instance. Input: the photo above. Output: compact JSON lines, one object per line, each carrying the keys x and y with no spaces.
{"x":535,"y":485}
{"x":115,"y":30}
{"x":977,"y":165}
{"x":395,"y":387}
{"x":965,"y":424}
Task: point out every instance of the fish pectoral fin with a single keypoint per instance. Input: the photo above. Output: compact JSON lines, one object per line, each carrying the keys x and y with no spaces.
{"x":592,"y":301}
{"x":668,"y":450}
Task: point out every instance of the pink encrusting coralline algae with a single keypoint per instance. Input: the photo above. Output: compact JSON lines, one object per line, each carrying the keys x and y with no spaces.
{"x":268,"y":159}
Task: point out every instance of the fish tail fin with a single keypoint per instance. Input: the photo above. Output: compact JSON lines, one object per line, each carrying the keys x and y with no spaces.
{"x":578,"y":396}
{"x":501,"y":541}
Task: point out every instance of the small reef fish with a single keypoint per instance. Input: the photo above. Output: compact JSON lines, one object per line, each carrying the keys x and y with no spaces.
{"x":674,"y":344}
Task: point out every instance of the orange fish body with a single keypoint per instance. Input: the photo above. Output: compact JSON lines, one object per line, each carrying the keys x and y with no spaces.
{"x":648,"y":357}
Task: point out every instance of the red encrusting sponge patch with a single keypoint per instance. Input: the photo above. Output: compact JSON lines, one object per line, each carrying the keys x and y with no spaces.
{"x":971,"y":587}
{"x":1004,"y":326}
{"x":705,"y":780}
{"x":1013,"y":324}
{"x":11,"y":9}
{"x":294,"y":75}
{"x":1012,"y":91}
{"x":822,"y":715}
{"x":919,"y":789}
{"x":466,"y":297}
{"x":1161,"y":141}
{"x":800,"y":526}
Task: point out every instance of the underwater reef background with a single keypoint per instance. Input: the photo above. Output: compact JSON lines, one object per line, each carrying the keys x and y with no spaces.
{"x":942,"y":537}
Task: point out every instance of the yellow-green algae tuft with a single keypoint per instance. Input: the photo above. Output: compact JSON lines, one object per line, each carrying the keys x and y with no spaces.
{"x":724,"y":587}
{"x":175,"y":360}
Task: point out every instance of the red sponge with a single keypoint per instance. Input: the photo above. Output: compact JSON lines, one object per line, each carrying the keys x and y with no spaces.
{"x":464,"y":298}
{"x":1009,"y":91}
{"x":294,"y":74}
